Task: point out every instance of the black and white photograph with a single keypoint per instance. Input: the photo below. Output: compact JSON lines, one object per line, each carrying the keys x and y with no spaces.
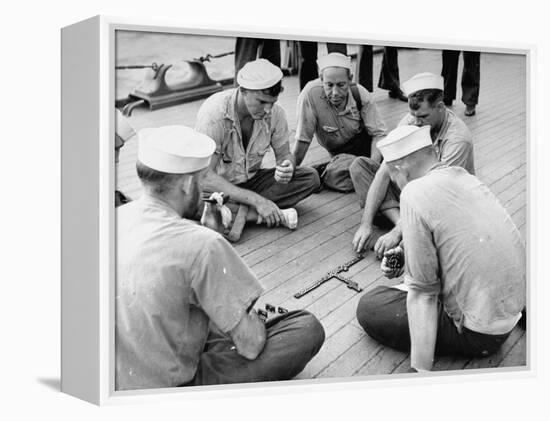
{"x":291,"y":210}
{"x":227,"y":210}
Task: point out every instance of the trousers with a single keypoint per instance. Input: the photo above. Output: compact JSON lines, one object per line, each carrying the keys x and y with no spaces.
{"x":304,"y":182}
{"x":248,"y":49}
{"x":470,"y":76}
{"x":293,"y":339}
{"x":382,"y":312}
{"x":336,"y":175}
{"x":362,"y":172}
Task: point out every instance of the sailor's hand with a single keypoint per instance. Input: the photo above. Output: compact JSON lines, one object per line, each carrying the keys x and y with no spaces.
{"x":393,"y":263}
{"x":211,"y":217}
{"x":363,"y":238}
{"x":269,"y":212}
{"x":387,"y":242}
{"x":284,"y":172}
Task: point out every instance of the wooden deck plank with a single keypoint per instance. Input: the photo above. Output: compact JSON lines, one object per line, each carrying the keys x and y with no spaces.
{"x":348,"y":363}
{"x":384,"y":362}
{"x":334,"y":346}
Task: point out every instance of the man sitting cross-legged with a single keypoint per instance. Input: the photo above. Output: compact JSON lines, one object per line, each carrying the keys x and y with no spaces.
{"x":184,"y":297}
{"x":344,"y":119}
{"x":245,"y":123}
{"x":464,"y":260}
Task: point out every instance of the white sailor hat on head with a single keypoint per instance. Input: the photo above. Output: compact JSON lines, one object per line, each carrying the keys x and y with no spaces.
{"x":175,"y":149}
{"x":403,"y":141}
{"x":422,"y":81}
{"x":259,"y":74}
{"x":334,"y":60}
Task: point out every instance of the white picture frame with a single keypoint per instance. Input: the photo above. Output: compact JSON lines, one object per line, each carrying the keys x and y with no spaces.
{"x":88,"y":225}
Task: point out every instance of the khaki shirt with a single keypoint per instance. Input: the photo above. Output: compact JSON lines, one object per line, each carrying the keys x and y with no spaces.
{"x":333,"y":128}
{"x":217,"y":118}
{"x":173,"y":277}
{"x":461,"y":244}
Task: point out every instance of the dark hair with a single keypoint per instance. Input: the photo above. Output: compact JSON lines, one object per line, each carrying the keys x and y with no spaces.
{"x":159,"y":182}
{"x":431,"y":96}
{"x":274,"y":90}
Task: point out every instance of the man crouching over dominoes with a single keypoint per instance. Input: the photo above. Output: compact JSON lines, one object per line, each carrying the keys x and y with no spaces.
{"x":464,"y":260}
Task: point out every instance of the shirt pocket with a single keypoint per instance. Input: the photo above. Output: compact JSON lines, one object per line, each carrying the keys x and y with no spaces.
{"x":256,"y":157}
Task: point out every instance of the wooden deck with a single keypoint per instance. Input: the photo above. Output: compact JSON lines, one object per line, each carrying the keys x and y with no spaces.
{"x":286,"y":261}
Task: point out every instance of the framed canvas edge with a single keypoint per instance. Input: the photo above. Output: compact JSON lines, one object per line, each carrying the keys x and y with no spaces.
{"x":108,"y":395}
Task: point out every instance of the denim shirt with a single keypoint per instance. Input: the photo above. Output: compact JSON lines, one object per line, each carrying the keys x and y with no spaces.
{"x":217,"y":118}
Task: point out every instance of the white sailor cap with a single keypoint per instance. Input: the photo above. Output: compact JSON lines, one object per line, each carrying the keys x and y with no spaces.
{"x":122,"y":127}
{"x":259,"y":74}
{"x":334,"y":60}
{"x":403,"y":141}
{"x":422,"y":81}
{"x":175,"y":149}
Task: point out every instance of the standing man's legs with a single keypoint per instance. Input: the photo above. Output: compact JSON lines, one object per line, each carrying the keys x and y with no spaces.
{"x":364,"y":67}
{"x":470,"y":78}
{"x":246,"y":49}
{"x":293,"y":339}
{"x":389,"y":74}
{"x":449,"y":72}
{"x":270,"y":49}
{"x":308,"y":62}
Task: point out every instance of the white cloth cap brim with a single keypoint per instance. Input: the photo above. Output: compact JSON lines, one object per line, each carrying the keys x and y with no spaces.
{"x":259,"y":74}
{"x":334,"y":60}
{"x":422,"y":81}
{"x":175,"y":149}
{"x":403,"y":141}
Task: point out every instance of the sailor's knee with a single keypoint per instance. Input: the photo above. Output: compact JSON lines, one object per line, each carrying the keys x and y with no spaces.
{"x":357,"y":166}
{"x":363,"y":165}
{"x":313,"y":331}
{"x":308,"y":177}
{"x":368,"y":312}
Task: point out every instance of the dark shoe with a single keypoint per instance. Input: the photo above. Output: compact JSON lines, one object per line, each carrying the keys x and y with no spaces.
{"x":448,"y":102}
{"x":398,"y":94}
{"x":470,"y":110}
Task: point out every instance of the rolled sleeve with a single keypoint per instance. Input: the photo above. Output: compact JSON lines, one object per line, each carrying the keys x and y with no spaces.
{"x":372,"y":118}
{"x":457,"y":153}
{"x":421,"y":262}
{"x":223,"y":284}
{"x":280,"y":134}
{"x":306,"y":119}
